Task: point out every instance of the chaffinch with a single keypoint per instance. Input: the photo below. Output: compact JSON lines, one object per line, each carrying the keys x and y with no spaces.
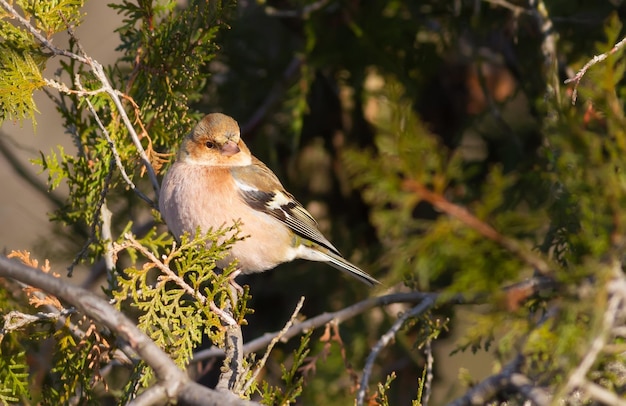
{"x":216,"y":179}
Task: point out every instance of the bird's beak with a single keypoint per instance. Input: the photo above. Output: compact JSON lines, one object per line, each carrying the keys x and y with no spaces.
{"x":229,"y":148}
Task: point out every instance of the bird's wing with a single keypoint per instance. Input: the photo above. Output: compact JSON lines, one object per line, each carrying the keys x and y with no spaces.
{"x":261,"y":190}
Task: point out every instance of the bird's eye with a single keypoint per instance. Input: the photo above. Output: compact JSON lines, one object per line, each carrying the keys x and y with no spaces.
{"x":210,"y":144}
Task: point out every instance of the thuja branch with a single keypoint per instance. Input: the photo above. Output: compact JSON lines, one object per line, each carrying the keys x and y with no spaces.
{"x":116,"y":155}
{"x":233,"y":344}
{"x":98,"y":70}
{"x":163,"y":266}
{"x":462,"y":214}
{"x":173,"y":384}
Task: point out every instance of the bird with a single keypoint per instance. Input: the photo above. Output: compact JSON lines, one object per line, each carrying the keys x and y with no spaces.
{"x":215,"y":180}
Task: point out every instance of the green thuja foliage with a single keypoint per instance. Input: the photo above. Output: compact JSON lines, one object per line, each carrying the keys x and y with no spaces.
{"x":175,"y":294}
{"x":22,"y":58}
{"x":164,"y":50}
{"x":587,"y":215}
{"x":370,"y":109}
{"x":75,"y":368}
{"x":175,"y":308}
{"x":21,"y":78}
{"x":173,"y":290}
{"x":291,"y":376}
{"x":383,"y":388}
{"x":424,"y":248}
{"x":13,"y":378}
{"x":565,"y":207}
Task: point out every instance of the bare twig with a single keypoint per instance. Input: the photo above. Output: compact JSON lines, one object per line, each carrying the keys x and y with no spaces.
{"x":386,"y":339}
{"x":116,"y":155}
{"x":107,"y":236}
{"x":62,"y":88}
{"x":175,"y":382}
{"x":578,"y":376}
{"x":601,"y":394}
{"x":502,"y":3}
{"x":99,"y":72}
{"x":598,"y":58}
{"x":276,"y":339}
{"x":321,"y":320}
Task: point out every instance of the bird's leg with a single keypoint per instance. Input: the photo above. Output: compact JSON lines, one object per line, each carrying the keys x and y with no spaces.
{"x":234,"y":288}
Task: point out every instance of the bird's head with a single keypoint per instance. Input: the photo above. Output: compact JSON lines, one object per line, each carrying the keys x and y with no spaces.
{"x":215,"y":141}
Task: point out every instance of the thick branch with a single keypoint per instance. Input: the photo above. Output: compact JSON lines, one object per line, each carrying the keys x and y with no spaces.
{"x":175,"y":382}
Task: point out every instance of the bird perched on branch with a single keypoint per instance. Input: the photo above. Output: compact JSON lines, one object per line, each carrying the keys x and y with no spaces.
{"x":216,"y":180}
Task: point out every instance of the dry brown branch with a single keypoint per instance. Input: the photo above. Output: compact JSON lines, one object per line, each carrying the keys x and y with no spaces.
{"x":462,"y":214}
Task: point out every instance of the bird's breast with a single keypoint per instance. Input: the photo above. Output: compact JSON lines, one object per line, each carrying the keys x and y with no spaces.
{"x":195,"y":196}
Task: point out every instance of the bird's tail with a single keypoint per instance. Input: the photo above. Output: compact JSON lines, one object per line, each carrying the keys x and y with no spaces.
{"x":343,"y":265}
